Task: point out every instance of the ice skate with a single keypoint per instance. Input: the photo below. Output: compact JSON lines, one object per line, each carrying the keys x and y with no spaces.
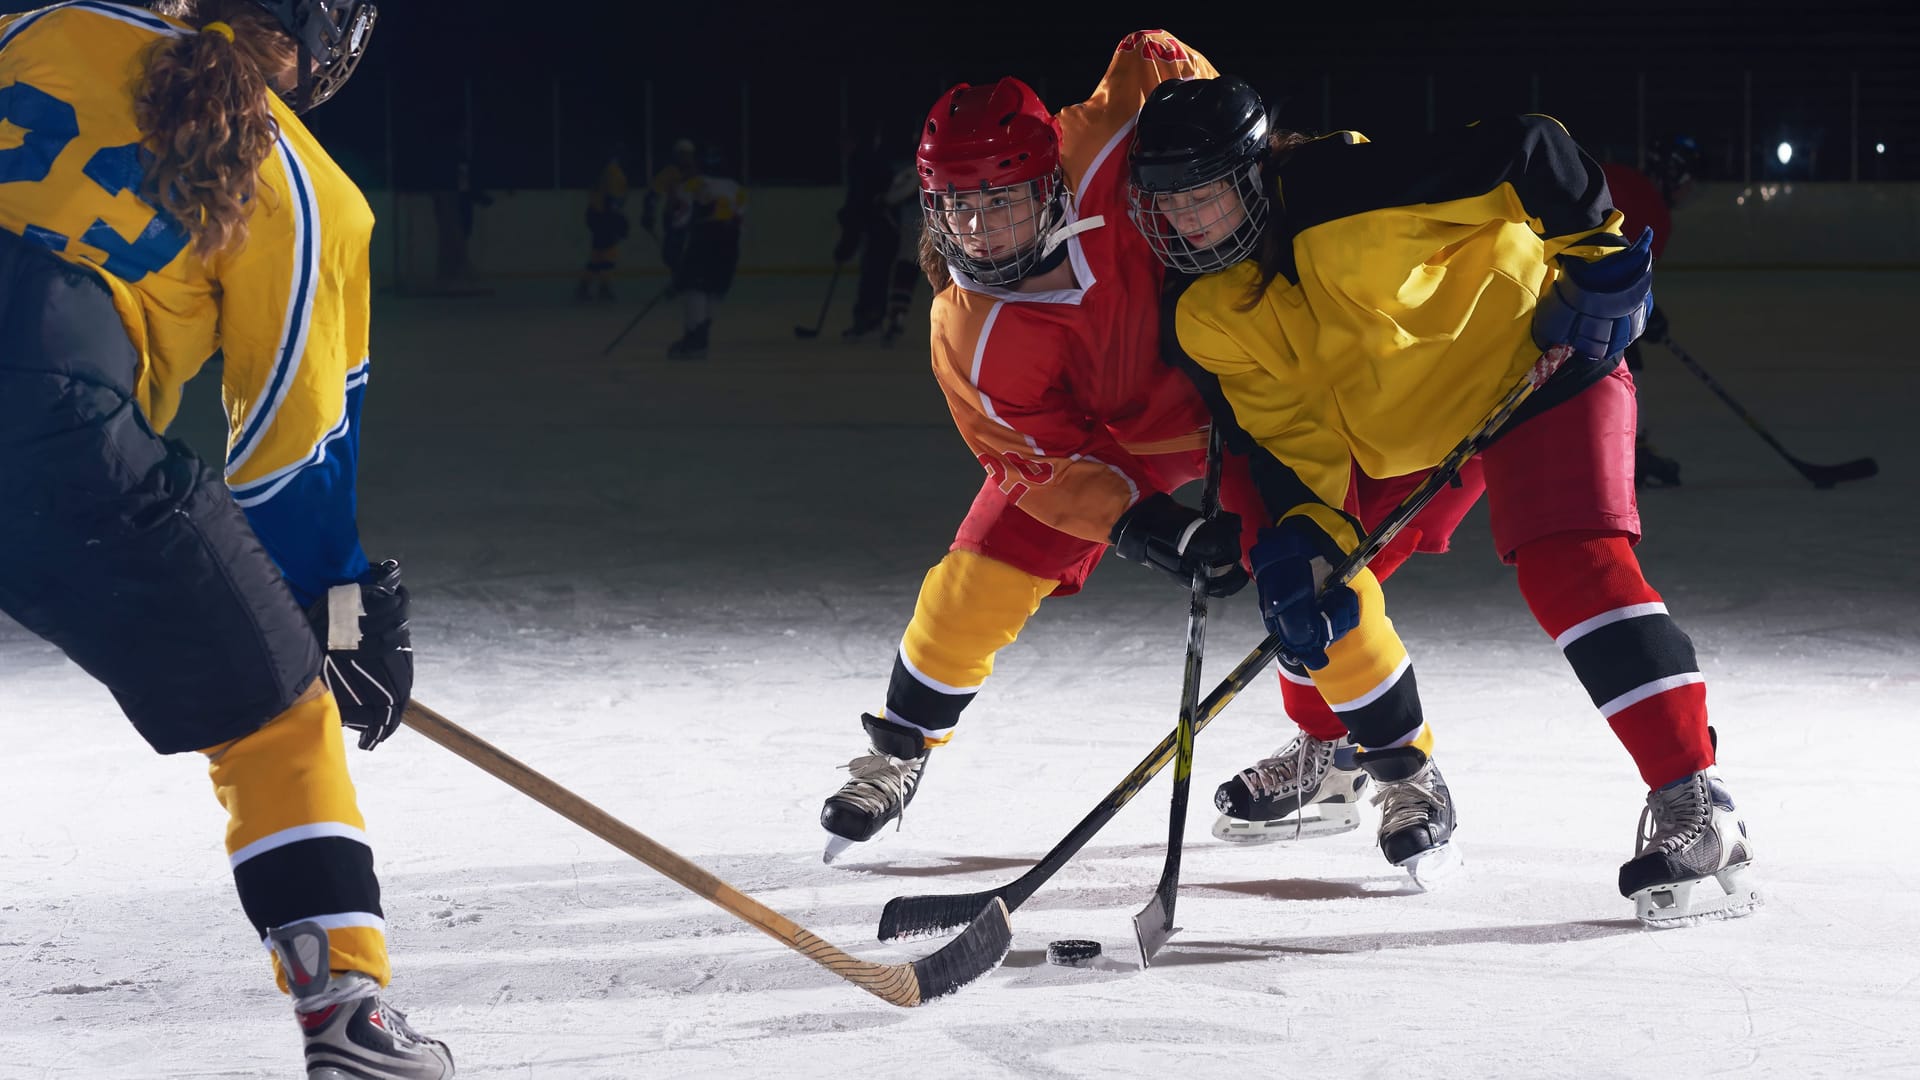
{"x":859,"y":330}
{"x":1692,"y":864}
{"x":1306,"y":789}
{"x":692,"y":345}
{"x":351,"y":1034}
{"x":1416,"y":813}
{"x":883,"y":783}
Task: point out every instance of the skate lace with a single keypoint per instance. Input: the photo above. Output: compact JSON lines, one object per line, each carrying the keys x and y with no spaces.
{"x":1678,"y":815}
{"x":1282,"y":773}
{"x":1413,"y":801}
{"x":879,"y":782}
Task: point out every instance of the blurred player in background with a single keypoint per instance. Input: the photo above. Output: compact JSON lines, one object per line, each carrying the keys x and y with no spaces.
{"x":666,"y":204}
{"x":716,"y":207}
{"x":1647,"y":200}
{"x":165,"y":202}
{"x":870,"y":227}
{"x":607,"y":226}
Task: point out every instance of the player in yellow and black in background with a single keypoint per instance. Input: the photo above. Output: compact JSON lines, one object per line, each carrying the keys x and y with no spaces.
{"x":159,"y":200}
{"x":1365,"y":304}
{"x":667,"y":204}
{"x":606,"y":227}
{"x":716,"y":207}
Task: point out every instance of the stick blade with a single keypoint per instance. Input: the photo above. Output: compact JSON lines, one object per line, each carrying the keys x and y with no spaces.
{"x":1153,"y":926}
{"x":805,"y":332}
{"x":908,"y":917}
{"x":1825,"y":476}
{"x":979,"y":949}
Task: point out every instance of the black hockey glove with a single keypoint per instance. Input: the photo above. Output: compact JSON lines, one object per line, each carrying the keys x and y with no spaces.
{"x":369,"y":662}
{"x":1168,"y":536}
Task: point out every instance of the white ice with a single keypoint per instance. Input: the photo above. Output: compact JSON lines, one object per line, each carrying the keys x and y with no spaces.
{"x":674,"y":587}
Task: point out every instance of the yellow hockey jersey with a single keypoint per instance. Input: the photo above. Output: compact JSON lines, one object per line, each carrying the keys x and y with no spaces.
{"x":289,"y":309}
{"x":1402,"y":309}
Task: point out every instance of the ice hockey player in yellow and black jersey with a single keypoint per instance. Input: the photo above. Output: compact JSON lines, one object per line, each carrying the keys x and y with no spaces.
{"x":160,"y":200}
{"x":716,"y":207}
{"x":1367,"y":305}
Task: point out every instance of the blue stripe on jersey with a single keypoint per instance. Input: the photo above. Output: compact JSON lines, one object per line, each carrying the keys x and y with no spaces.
{"x":112,"y":11}
{"x":304,"y":515}
{"x":299,"y":312}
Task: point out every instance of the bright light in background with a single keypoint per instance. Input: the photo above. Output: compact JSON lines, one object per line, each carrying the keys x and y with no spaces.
{"x":1879,"y":148}
{"x":1785,"y":153}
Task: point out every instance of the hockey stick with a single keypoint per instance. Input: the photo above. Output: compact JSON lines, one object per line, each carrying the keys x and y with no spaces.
{"x":651,"y":304}
{"x":915,"y":916}
{"x":814,"y":330}
{"x":1154,"y":923}
{"x":978,"y":949}
{"x":1822,"y":476}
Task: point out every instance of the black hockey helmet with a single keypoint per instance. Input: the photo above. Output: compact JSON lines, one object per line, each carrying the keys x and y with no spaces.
{"x":1194,"y":180}
{"x":332,"y":35}
{"x":1671,"y":161}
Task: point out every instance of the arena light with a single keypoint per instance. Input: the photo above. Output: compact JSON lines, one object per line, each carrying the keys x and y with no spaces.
{"x":1879,"y":148}
{"x":1784,"y":153}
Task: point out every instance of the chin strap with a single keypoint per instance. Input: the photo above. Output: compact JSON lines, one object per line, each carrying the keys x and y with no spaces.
{"x":1060,"y":235}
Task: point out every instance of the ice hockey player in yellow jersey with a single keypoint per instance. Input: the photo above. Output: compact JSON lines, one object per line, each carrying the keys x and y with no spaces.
{"x":161,"y":199}
{"x":716,"y":206}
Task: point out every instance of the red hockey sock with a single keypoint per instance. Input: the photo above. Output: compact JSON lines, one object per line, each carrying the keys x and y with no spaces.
{"x":1586,"y":590}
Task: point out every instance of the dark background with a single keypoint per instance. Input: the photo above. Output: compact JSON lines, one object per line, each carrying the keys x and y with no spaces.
{"x":531,"y":94}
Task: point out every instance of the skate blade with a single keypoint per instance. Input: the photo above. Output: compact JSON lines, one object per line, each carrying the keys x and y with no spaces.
{"x":1729,"y":894}
{"x":1434,"y":867}
{"x":1334,"y":819}
{"x":837,"y":846}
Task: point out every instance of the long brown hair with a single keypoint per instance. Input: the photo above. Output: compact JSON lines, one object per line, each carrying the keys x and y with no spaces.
{"x":932,"y":263}
{"x":203,"y":110}
{"x":1275,"y":243}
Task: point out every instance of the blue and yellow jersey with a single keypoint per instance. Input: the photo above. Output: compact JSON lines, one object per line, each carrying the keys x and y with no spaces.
{"x":288,"y":309}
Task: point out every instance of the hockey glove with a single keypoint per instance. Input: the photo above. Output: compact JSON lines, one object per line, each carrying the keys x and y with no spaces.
{"x":1181,"y":541}
{"x":369,"y":662}
{"x":1598,"y":307}
{"x":1288,"y":570}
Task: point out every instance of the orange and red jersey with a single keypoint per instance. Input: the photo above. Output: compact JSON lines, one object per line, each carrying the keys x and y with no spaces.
{"x":1060,"y":393}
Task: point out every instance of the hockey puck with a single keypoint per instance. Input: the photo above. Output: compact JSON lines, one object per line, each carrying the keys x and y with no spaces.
{"x":1072,"y":952}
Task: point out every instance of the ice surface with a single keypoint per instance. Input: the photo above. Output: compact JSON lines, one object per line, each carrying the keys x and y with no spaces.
{"x":673,"y":587}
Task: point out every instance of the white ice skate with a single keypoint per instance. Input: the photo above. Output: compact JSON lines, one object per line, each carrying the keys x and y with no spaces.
{"x":1693,"y":863}
{"x":1307,"y":789}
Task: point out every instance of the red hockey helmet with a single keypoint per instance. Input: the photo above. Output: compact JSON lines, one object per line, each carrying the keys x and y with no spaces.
{"x":990,"y":183}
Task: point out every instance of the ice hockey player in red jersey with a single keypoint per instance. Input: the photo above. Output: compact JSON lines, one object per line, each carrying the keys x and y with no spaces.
{"x":1045,"y":340}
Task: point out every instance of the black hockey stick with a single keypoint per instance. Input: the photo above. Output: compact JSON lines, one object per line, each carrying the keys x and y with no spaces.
{"x":1822,"y":476}
{"x":916,"y":916}
{"x":814,"y":330}
{"x":651,"y":304}
{"x":1154,"y":924}
{"x":974,"y":953}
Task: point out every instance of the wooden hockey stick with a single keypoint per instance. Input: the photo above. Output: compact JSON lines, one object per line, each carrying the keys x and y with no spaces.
{"x":978,"y":949}
{"x":916,"y":916}
{"x":1154,"y":923}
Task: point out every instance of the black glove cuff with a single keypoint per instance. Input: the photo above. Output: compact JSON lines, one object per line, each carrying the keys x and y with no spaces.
{"x":1153,"y":531}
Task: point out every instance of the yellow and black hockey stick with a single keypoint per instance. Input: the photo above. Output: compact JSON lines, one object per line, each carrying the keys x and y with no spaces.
{"x":978,"y":949}
{"x":916,"y":916}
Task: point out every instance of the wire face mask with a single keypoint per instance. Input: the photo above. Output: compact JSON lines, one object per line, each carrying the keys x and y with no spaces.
{"x":1208,"y":227}
{"x":996,"y":235}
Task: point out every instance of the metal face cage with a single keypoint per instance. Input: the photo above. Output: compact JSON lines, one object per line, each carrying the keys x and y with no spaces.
{"x":996,"y":235}
{"x":1206,"y":227}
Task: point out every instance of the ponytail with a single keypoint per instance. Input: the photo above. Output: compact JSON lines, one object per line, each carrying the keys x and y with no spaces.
{"x":203,"y":110}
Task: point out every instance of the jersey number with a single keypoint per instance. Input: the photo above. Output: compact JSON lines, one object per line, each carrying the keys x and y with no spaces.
{"x":51,"y":125}
{"x":1030,"y":472}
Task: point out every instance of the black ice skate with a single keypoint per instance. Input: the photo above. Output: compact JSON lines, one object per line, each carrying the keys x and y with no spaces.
{"x":1693,"y":863}
{"x":1307,"y":789}
{"x":1416,"y":813}
{"x":692,"y":345}
{"x":351,"y":1034}
{"x":882,"y":785}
